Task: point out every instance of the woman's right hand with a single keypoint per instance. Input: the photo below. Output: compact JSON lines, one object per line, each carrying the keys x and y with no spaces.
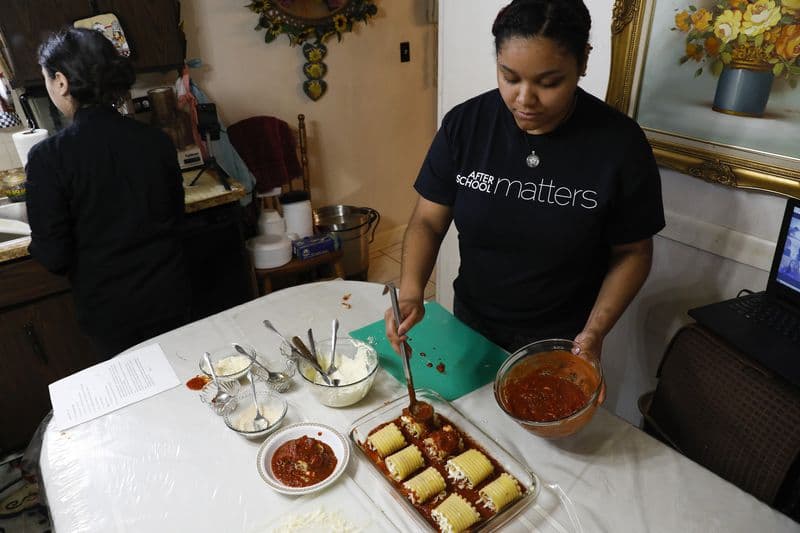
{"x":411,"y":312}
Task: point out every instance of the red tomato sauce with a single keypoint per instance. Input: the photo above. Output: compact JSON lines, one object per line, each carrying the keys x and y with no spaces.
{"x":545,"y":389}
{"x":303,"y":462}
{"x":198,"y":382}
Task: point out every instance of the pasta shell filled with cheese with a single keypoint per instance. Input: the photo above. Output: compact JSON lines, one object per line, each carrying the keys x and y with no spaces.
{"x":454,"y":514}
{"x":405,"y":462}
{"x":496,"y":495}
{"x":469,"y":468}
{"x":424,"y":485}
{"x":387,"y":440}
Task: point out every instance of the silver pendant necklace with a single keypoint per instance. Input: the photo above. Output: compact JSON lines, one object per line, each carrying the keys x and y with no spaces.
{"x":532,"y":160}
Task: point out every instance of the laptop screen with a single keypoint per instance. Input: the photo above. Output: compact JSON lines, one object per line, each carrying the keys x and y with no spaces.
{"x":788,"y":273}
{"x":784,"y":279}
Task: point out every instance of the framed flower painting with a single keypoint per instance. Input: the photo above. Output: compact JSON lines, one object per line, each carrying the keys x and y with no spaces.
{"x":714,"y":85}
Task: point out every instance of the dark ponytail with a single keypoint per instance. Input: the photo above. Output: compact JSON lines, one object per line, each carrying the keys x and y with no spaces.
{"x":567,"y":22}
{"x":97,"y":74}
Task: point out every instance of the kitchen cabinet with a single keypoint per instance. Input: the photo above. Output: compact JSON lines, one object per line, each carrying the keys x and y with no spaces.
{"x":40,"y":342}
{"x":151,"y":28}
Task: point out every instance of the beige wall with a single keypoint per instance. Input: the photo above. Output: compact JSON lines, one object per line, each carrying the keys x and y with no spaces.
{"x":368,"y":134}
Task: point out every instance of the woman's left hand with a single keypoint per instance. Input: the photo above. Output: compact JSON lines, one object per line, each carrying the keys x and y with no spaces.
{"x":591,"y":344}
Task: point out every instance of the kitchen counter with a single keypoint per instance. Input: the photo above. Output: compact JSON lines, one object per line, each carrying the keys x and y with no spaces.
{"x":206,"y":193}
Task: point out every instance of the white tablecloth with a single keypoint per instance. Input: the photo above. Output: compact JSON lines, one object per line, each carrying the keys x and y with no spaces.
{"x":169,"y":464}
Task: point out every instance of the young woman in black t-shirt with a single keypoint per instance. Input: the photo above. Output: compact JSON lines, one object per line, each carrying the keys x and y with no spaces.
{"x":555,"y":195}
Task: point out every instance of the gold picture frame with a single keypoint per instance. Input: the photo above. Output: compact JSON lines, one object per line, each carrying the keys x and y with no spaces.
{"x":733,"y":166}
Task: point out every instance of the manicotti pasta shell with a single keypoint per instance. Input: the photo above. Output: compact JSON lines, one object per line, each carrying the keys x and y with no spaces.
{"x":500,"y":492}
{"x":454,"y":514}
{"x":405,"y":462}
{"x":425,"y":485}
{"x":471,"y":467}
{"x":387,"y":440}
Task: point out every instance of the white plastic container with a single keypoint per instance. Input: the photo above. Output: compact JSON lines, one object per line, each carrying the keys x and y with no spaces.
{"x":270,"y":222}
{"x":270,"y":251}
{"x":297,"y":213}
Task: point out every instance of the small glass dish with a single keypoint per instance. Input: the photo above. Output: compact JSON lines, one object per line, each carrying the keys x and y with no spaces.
{"x":209,"y":390}
{"x":228,"y":363}
{"x":387,"y":412}
{"x":353,"y":358}
{"x":240,"y":418}
{"x":289,"y":368}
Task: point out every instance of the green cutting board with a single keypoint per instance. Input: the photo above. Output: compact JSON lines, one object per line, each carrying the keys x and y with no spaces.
{"x":447,"y":355}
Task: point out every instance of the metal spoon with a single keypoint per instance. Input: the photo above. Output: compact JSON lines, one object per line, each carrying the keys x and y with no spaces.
{"x":306,"y":354}
{"x":279,"y":381}
{"x":221,"y":397}
{"x":269,"y":326}
{"x":332,"y":363}
{"x":259,"y":422}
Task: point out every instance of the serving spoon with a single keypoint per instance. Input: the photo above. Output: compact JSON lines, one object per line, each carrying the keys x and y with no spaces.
{"x":221,"y":397}
{"x":269,"y":326}
{"x":279,"y":381}
{"x":303,"y":350}
{"x":259,"y":422}
{"x":421,"y":411}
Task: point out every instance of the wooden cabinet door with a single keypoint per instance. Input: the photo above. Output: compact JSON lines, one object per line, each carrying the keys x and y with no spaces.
{"x":26,"y":23}
{"x":152,"y":30}
{"x":41,"y":343}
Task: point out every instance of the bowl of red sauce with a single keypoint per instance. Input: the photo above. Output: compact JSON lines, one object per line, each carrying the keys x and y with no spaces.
{"x":547,"y":389}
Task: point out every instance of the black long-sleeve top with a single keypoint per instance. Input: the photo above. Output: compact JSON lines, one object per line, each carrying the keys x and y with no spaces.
{"x":105,"y":200}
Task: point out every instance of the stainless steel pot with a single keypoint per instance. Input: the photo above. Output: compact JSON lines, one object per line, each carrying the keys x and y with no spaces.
{"x":352,"y":226}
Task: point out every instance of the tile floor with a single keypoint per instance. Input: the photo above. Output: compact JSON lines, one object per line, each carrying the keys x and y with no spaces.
{"x":384,"y":266}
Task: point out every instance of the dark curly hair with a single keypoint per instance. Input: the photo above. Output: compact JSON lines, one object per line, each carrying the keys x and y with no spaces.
{"x":567,"y":22}
{"x":97,"y":74}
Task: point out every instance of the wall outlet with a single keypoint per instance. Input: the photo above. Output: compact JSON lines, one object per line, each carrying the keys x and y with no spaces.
{"x":405,"y":52}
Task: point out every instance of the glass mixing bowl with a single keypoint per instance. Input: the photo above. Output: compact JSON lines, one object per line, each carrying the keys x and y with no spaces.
{"x":550,"y":358}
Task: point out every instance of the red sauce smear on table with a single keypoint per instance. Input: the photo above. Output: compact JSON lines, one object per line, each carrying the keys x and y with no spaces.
{"x":545,"y":392}
{"x":198,"y":382}
{"x":440,"y":367}
{"x":429,"y":364}
{"x":303,"y":462}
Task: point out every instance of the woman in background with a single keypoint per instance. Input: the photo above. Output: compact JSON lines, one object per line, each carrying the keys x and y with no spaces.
{"x":555,"y":195}
{"x":105,"y":199}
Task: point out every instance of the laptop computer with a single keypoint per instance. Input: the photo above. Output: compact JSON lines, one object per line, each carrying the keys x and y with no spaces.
{"x":766,"y":325}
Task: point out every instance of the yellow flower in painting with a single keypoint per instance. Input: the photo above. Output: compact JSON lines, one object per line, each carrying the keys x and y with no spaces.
{"x":700,"y":19}
{"x":737,"y":4}
{"x":340,"y":23}
{"x":760,"y":17}
{"x":788,"y":44}
{"x":772,"y":34}
{"x":727,"y":25}
{"x":694,"y":52}
{"x":712,"y":45}
{"x":682,"y":21}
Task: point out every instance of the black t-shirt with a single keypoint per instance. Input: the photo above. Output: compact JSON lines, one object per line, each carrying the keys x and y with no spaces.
{"x":535,"y":242}
{"x":105,"y":200}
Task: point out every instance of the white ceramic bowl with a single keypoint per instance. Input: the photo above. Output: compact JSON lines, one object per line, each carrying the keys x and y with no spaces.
{"x":270,"y":251}
{"x":338,"y":443}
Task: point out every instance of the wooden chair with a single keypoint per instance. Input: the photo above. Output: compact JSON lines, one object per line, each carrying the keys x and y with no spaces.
{"x":722,"y":410}
{"x":296,"y":271}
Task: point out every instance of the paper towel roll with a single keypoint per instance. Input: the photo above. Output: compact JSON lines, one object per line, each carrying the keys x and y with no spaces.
{"x":24,"y":141}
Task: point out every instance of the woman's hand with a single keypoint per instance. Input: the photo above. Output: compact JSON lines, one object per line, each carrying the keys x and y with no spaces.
{"x":590,"y":343}
{"x":412,"y":311}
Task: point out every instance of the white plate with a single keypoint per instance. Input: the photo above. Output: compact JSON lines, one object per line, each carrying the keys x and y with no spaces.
{"x":338,"y":443}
